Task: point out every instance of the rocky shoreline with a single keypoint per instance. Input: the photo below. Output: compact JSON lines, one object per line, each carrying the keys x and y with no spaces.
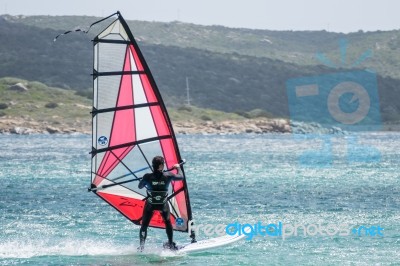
{"x":256,"y":126}
{"x":23,"y":126}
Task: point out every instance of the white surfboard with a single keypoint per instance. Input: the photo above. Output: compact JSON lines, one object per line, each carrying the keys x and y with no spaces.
{"x":209,"y":243}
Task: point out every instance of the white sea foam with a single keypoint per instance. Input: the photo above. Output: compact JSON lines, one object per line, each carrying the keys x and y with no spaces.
{"x":69,"y":247}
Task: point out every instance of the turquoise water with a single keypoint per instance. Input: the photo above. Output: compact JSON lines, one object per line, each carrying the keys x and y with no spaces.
{"x":48,"y":218}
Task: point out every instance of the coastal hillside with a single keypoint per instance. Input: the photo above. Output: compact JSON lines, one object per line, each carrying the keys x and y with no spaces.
{"x":230,"y":70}
{"x":298,"y":47}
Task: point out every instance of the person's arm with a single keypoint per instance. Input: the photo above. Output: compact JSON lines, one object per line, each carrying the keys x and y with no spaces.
{"x":143,"y":182}
{"x":179,"y":175}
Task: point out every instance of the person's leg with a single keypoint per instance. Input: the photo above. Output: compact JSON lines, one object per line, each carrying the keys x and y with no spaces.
{"x":147,"y":214}
{"x":165,"y":213}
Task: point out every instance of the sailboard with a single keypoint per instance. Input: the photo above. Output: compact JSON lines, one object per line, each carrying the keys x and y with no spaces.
{"x":130,"y":126}
{"x":210,"y":243}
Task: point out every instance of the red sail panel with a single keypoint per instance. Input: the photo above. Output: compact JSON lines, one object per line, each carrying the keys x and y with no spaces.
{"x":126,"y":205}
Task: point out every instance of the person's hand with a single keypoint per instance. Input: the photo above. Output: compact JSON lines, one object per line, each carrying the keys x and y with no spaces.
{"x":177,"y":166}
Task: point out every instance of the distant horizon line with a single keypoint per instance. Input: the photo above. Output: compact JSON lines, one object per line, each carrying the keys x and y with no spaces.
{"x":213,"y":25}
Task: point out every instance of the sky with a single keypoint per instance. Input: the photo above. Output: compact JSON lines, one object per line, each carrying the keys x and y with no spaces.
{"x":331,"y":15}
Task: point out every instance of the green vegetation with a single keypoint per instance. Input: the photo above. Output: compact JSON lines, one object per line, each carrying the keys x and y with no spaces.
{"x":195,"y":114}
{"x":42,"y":103}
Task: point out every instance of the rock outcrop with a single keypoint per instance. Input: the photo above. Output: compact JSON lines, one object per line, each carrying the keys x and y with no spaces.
{"x":18,"y":87}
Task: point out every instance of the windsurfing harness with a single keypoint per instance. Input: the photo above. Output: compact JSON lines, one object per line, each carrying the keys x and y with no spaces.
{"x":157,"y":184}
{"x":130,"y":127}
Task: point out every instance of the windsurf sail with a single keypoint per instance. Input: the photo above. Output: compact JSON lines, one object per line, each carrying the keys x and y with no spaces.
{"x":130,"y":126}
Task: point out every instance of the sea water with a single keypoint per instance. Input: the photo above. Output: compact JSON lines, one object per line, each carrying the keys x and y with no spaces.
{"x":47,"y":217}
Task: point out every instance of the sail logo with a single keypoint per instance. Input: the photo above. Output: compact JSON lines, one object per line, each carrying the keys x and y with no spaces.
{"x":103,"y":141}
{"x":179,"y":222}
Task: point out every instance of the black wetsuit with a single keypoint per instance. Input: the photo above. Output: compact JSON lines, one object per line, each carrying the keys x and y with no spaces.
{"x":157,"y":184}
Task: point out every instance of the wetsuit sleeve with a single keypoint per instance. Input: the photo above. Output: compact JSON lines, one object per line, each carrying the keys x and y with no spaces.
{"x":178,"y":176}
{"x":143,"y":182}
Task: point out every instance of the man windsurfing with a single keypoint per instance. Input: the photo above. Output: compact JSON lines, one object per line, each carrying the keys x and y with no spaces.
{"x":157,"y":184}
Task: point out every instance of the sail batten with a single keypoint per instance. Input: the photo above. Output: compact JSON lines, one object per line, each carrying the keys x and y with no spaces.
{"x":97,"y":74}
{"x":130,"y":126}
{"x":96,"y":40}
{"x":113,"y":109}
{"x":128,"y":144}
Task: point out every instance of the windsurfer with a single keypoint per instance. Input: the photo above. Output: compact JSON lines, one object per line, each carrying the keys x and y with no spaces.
{"x":157,"y":184}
